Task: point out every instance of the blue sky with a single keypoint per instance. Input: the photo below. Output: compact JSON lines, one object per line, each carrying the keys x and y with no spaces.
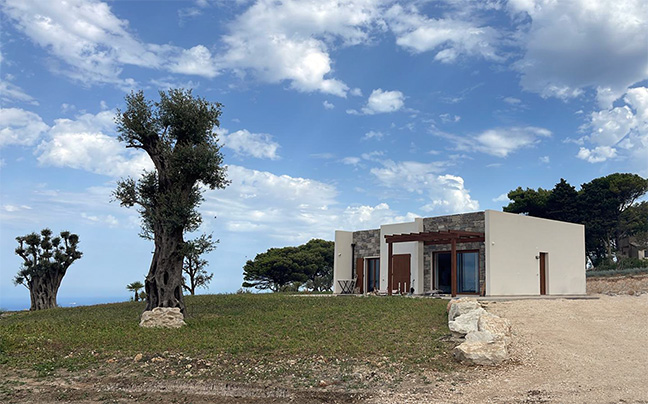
{"x":337,"y":115}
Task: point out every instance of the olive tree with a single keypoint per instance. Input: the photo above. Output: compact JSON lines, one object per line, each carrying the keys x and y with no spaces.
{"x":177,"y":133}
{"x":45,"y":262}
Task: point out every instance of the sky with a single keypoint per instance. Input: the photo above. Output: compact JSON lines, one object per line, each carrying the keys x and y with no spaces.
{"x":337,"y":115}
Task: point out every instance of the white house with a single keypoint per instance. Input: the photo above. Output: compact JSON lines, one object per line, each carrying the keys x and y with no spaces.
{"x":486,"y":253}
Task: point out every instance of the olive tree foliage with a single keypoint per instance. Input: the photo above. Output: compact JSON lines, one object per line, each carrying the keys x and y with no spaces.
{"x":194,"y":265}
{"x":46,"y":259}
{"x":177,"y":133}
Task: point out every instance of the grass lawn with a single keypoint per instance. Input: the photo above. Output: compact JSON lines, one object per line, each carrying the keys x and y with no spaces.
{"x":354,"y":342}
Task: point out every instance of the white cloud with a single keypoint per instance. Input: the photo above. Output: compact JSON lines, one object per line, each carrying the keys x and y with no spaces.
{"x":373,"y":135}
{"x":83,"y":144}
{"x":449,"y":118}
{"x":501,"y":142}
{"x":545,"y":159}
{"x":620,"y":131}
{"x":20,"y":127}
{"x":449,"y":37}
{"x":95,"y":45}
{"x":289,"y":41}
{"x":352,"y":161}
{"x":380,"y":102}
{"x":244,"y":143}
{"x":502,"y":198}
{"x":11,"y":93}
{"x":573,"y":45}
{"x":596,"y":155}
{"x":444,"y":193}
{"x":512,"y":101}
{"x":328,"y":105}
{"x":197,"y":61}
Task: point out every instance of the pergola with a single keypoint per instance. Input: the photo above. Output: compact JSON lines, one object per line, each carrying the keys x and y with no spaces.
{"x":452,"y":237}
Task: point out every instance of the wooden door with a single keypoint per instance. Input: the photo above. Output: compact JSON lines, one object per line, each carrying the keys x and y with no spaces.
{"x":360,"y":274}
{"x":401,"y":273}
{"x":543,"y":273}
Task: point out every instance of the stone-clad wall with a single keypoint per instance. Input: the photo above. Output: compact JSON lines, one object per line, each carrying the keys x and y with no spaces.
{"x":466,"y":222}
{"x":367,"y":243}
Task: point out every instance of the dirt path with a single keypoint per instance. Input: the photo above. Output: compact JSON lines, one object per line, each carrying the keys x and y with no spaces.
{"x":564,"y":351}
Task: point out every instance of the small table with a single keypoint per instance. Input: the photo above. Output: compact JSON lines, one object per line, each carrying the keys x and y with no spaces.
{"x":346,"y":285}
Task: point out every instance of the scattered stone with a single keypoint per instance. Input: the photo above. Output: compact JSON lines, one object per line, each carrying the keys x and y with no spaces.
{"x":481,"y":353}
{"x":137,"y":357}
{"x":323,"y":383}
{"x":167,"y":317}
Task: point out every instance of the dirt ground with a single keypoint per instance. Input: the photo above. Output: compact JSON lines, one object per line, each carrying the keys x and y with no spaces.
{"x":563,"y":351}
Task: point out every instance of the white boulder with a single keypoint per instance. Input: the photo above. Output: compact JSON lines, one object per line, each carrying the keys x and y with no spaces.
{"x":466,"y":322}
{"x":165,"y":317}
{"x":457,"y":307}
{"x":481,"y":353}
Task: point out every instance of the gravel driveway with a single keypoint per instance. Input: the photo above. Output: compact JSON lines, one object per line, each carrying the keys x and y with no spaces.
{"x":563,"y":351}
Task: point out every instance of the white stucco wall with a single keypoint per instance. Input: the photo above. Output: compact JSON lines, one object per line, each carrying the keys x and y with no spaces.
{"x":514,"y":241}
{"x":414,"y":248}
{"x":342,"y":258}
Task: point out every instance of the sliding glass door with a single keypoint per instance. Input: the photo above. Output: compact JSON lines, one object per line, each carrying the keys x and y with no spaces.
{"x":467,"y":272}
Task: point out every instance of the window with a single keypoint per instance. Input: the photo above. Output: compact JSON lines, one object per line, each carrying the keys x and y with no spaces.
{"x":373,"y":274}
{"x":467,"y":272}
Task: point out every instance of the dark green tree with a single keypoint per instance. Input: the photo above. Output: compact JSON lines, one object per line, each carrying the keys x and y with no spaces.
{"x":46,"y":261}
{"x":528,"y":201}
{"x":291,"y":267}
{"x":562,"y":203}
{"x":603,"y":200}
{"x":194,"y":265}
{"x":177,"y":133}
{"x":135,"y":287}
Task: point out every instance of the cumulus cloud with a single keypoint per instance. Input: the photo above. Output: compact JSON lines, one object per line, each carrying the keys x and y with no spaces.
{"x":20,"y":127}
{"x":380,"y":102}
{"x":244,"y":143}
{"x":289,"y":41}
{"x":328,"y":105}
{"x":373,"y":135}
{"x":620,"y":131}
{"x":501,"y":142}
{"x":83,"y":144}
{"x":445,"y":193}
{"x":573,"y":45}
{"x":597,"y":154}
{"x":197,"y":61}
{"x":448,"y":37}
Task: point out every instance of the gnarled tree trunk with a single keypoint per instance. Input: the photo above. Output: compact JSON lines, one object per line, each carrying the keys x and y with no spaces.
{"x":164,"y":281}
{"x":43,"y":291}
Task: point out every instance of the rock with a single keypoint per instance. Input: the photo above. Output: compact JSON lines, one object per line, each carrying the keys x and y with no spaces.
{"x":137,"y":357}
{"x":482,"y":336}
{"x":481,"y":353}
{"x":495,"y":325}
{"x":323,"y":383}
{"x":167,"y":317}
{"x":457,"y":307}
{"x":467,"y":322}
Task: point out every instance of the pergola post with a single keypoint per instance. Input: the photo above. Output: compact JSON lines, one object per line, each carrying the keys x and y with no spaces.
{"x":390,"y":253}
{"x":453,"y":270}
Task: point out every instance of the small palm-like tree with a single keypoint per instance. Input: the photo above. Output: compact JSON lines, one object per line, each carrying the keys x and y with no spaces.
{"x":135,"y":287}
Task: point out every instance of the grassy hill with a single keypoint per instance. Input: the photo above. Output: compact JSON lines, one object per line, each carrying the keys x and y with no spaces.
{"x":300,"y":340}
